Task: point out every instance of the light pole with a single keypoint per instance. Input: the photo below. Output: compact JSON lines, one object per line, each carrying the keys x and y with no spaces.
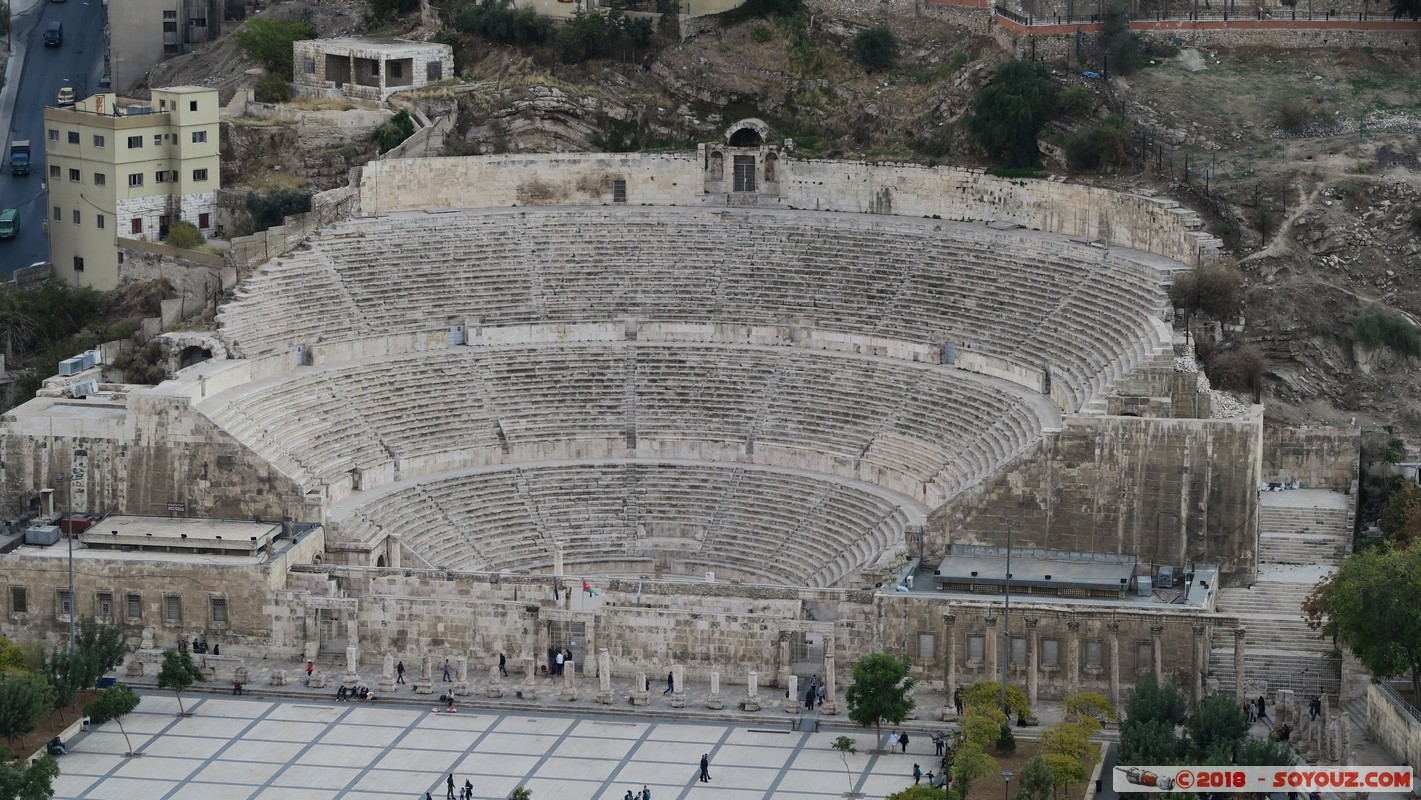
{"x":69,"y":535}
{"x":1006,"y":788}
{"x":1006,"y":619}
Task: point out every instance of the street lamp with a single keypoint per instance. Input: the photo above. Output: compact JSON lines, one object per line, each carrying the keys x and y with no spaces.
{"x":1006,"y":618}
{"x":1006,"y":788}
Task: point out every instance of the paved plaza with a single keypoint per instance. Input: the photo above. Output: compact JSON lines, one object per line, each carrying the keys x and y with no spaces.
{"x":238,"y":747}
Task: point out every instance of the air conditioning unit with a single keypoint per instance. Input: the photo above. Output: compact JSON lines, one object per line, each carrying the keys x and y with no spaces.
{"x":1165,"y":580}
{"x":1144,"y":587}
{"x":71,"y":366}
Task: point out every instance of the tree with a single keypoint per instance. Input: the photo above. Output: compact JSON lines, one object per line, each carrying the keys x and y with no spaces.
{"x":1037,"y":782}
{"x":845,"y":746}
{"x":268,"y":40}
{"x":1401,"y":517}
{"x":12,"y":657}
{"x":1121,"y":44}
{"x":1373,"y":604}
{"x":382,"y":11}
{"x":1147,"y":736}
{"x":521,"y":793}
{"x":880,"y":692}
{"x":117,"y":702}
{"x":1006,"y":740}
{"x":968,"y":763}
{"x":391,"y":132}
{"x":178,"y":673}
{"x":1009,"y":113}
{"x":1253,"y":752}
{"x":1064,"y":770}
{"x":982,"y":725}
{"x":22,"y":781}
{"x":917,"y":792}
{"x":1068,"y":739}
{"x":104,"y":646}
{"x":1217,"y":722}
{"x":184,"y":234}
{"x":876,"y":48}
{"x":1088,"y":707}
{"x":1406,"y":8}
{"x":24,"y":700}
{"x":988,"y":694}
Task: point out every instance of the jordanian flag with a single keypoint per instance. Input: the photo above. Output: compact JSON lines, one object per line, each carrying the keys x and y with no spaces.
{"x":587,"y":587}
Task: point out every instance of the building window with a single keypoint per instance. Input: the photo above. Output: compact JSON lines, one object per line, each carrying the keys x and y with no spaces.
{"x":199,"y":174}
{"x":375,"y":69}
{"x":192,"y":104}
{"x":309,"y":66}
{"x":396,"y":69}
{"x":99,"y":179}
{"x":219,"y":609}
{"x":135,"y":179}
{"x":78,"y":263}
{"x":170,"y":27}
{"x":619,"y":191}
{"x":200,"y":22}
{"x":157,"y":140}
{"x":58,"y":215}
{"x":54,"y":134}
{"x":66,"y":603}
{"x":134,"y":604}
{"x":54,"y":172}
{"x":105,"y":605}
{"x":199,"y":137}
{"x":135,"y":142}
{"x":1144,"y":658}
{"x":434,"y":71}
{"x":98,"y":140}
{"x":170,"y":15}
{"x":976,"y":648}
{"x":73,"y":176}
{"x":99,"y":220}
{"x":19,"y":600}
{"x":76,"y":216}
{"x":172,"y":608}
{"x":927,"y":648}
{"x":73,"y":137}
{"x":1094,"y":654}
{"x":1050,"y":653}
{"x":161,"y":176}
{"x":203,"y":220}
{"x":136,"y":225}
{"x":1018,"y":651}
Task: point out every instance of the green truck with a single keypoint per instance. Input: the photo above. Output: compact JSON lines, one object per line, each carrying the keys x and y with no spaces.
{"x":9,"y":223}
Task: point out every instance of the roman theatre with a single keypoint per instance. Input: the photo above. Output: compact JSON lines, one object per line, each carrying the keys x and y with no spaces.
{"x":776,"y":413}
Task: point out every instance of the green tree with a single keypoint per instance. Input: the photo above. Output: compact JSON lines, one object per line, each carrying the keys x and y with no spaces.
{"x":1121,"y":43}
{"x":1037,"y":782}
{"x":1065,"y":770}
{"x":982,"y":725}
{"x":521,"y":793}
{"x":1009,"y":113}
{"x":1147,"y":736}
{"x":1105,"y":143}
{"x":24,"y":700}
{"x":1088,"y":707}
{"x":178,"y":673}
{"x":845,"y":746}
{"x":268,"y":40}
{"x":1068,"y":739}
{"x":1006,"y":740}
{"x":916,"y":792}
{"x":61,"y":670}
{"x":22,"y":781}
{"x":969,"y":762}
{"x":1401,"y":517}
{"x":988,"y":694}
{"x":272,"y":208}
{"x":391,"y":132}
{"x":1216,"y":722}
{"x":880,"y":692}
{"x":379,"y":12}
{"x":1406,"y":8}
{"x":1253,"y":752}
{"x":117,"y":702}
{"x":104,"y":644}
{"x":876,"y":48}
{"x":272,"y":88}
{"x":1373,"y":605}
{"x":12,"y":657}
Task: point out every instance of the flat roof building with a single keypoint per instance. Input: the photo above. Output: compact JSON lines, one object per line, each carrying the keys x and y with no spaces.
{"x":121,"y":169}
{"x":369,"y":69}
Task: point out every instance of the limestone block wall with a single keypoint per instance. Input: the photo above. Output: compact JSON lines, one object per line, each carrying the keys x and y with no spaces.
{"x":1321,"y":457}
{"x":1171,"y":491}
{"x":1395,"y":726}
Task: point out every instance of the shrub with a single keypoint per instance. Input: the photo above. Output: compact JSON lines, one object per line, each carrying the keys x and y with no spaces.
{"x":272,"y":208}
{"x":1008,"y":113}
{"x":1216,"y":290}
{"x":144,"y":365}
{"x":391,"y":132}
{"x":272,"y":88}
{"x":380,"y":11}
{"x":1006,"y":740}
{"x":1380,"y":329}
{"x":763,"y":33}
{"x":876,"y":48}
{"x":752,"y":9}
{"x":1292,"y":115}
{"x":267,"y":41}
{"x":1104,"y":144}
{"x":1076,"y":100}
{"x":1121,"y":43}
{"x":184,"y":234}
{"x":1236,"y":370}
{"x":502,"y":21}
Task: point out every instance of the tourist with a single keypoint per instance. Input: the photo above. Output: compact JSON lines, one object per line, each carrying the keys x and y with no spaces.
{"x":469,"y":788}
{"x":917,"y":774}
{"x":939,"y":740}
{"x":1262,"y":708}
{"x":446,"y":670}
{"x":670,"y":683}
{"x":236,"y":686}
{"x":629,"y":796}
{"x":822,"y":693}
{"x":451,"y":786}
{"x":809,"y":699}
{"x":216,"y":649}
{"x":196,"y":645}
{"x":558,"y":661}
{"x":340,"y":693}
{"x":503,"y":670}
{"x":310,"y":668}
{"x":56,"y":747}
{"x":892,"y":740}
{"x":903,"y":741}
{"x":645,"y":793}
{"x":705,"y":767}
{"x":400,"y":672}
{"x":957,"y":700}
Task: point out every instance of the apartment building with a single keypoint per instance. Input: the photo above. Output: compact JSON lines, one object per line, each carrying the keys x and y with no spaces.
{"x":121,"y":169}
{"x":144,"y":32}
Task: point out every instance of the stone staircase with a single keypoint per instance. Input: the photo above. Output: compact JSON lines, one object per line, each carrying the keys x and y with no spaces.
{"x":1302,"y":536}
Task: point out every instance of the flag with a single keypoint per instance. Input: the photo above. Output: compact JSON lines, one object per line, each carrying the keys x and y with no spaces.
{"x":586,"y":587}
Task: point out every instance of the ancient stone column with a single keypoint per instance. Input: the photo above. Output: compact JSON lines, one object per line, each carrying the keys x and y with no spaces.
{"x":1114,"y":629}
{"x":350,"y":676}
{"x":425,"y":684}
{"x":529,"y":689}
{"x":604,"y":677}
{"x":557,"y":558}
{"x":1073,"y":656}
{"x":949,"y":665}
{"x":461,"y":677}
{"x":782,"y":663}
{"x":1157,"y":648}
{"x":830,"y":705}
{"x":752,"y":692}
{"x":569,"y":681}
{"x":678,"y":683}
{"x":387,"y":674}
{"x":989,"y":648}
{"x":792,"y":699}
{"x":641,"y":696}
{"x":1198,"y":658}
{"x":1239,"y":647}
{"x":713,"y":700}
{"x":1031,"y":671}
{"x":495,"y":683}
{"x":392,"y":551}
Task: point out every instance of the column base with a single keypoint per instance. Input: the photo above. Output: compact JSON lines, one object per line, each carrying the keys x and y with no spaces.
{"x":750,"y":704}
{"x":317,"y":680}
{"x":462,"y":689}
{"x":793,"y":706}
{"x":948,"y":713}
{"x":387,"y":686}
{"x":528,"y":693}
{"x":828,"y":709}
{"x":678,"y":699}
{"x":278,"y":677}
{"x":351,"y":678}
{"x":494,"y":689}
{"x":421,"y":687}
{"x":135,"y":669}
{"x":569,"y":695}
{"x":605,"y":697}
{"x":641,"y":698}
{"x":715,"y":702}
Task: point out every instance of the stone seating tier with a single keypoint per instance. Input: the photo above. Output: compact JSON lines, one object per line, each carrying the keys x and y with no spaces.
{"x":1033,"y":298}
{"x":772,"y":525}
{"x":922,"y":430}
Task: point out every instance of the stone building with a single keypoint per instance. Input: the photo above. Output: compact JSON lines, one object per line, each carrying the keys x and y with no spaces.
{"x":369,"y":69}
{"x":144,"y":32}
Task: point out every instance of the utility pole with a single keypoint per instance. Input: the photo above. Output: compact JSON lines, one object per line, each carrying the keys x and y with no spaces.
{"x":1006,"y":614}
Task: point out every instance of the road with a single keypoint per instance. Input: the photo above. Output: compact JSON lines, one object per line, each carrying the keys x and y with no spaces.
{"x":39,"y":71}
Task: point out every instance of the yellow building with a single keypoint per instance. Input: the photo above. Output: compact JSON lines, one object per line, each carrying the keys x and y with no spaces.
{"x":120,"y":169}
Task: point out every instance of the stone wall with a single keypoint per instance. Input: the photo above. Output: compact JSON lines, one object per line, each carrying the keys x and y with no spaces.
{"x":1171,"y":491}
{"x":1321,"y":457}
{"x":327,"y":207}
{"x":1057,"y":42}
{"x":1150,"y":224}
{"x":1393,"y":724}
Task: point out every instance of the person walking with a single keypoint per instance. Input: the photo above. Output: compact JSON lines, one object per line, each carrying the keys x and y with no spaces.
{"x":892,"y":740}
{"x":400,"y":672}
{"x":446,"y":671}
{"x":957,"y":700}
{"x":705,"y":767}
{"x":310,"y":668}
{"x":629,"y":796}
{"x":1262,"y":708}
{"x":809,"y":699}
{"x":450,"y":781}
{"x":821,"y":694}
{"x":469,"y":789}
{"x":503,"y":670}
{"x":559,"y":660}
{"x":903,"y":741}
{"x":645,"y":792}
{"x":670,"y":683}
{"x":917,"y":774}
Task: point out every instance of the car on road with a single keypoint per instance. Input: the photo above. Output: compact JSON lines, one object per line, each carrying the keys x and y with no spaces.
{"x":9,"y":223}
{"x":66,"y":95}
{"x":54,"y":34}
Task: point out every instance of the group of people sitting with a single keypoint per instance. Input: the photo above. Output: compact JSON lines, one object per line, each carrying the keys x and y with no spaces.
{"x":199,"y":646}
{"x":354,"y":693}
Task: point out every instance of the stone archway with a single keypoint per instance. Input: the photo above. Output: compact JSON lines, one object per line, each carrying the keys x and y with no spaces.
{"x":748,"y":132}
